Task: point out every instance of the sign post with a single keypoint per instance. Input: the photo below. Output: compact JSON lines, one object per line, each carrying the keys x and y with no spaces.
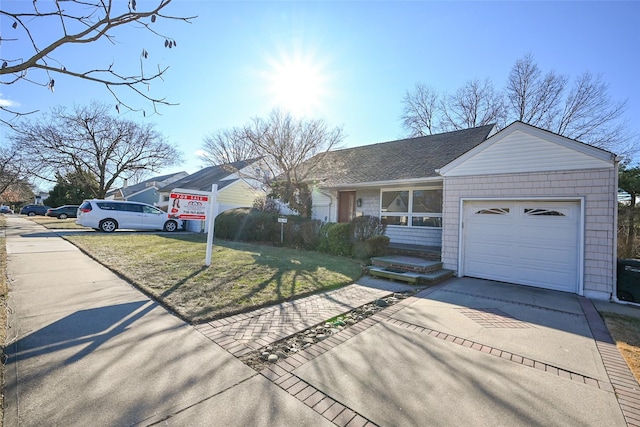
{"x":282,"y":220}
{"x":212,"y":219}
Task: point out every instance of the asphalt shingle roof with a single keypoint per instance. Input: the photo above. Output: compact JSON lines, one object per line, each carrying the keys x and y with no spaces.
{"x":404,"y":159}
{"x":204,"y":178}
{"x":132,"y":189}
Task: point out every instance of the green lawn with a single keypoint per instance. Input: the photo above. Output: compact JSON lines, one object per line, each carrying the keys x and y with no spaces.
{"x":242,"y":276}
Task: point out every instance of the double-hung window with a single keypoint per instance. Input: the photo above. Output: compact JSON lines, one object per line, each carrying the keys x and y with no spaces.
{"x":420,"y":207}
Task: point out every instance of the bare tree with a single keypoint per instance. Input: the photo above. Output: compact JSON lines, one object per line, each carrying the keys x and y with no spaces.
{"x":534,"y":98}
{"x":420,"y":111}
{"x":283,"y":143}
{"x":12,"y":169}
{"x":228,"y":146}
{"x":32,"y":55}
{"x":474,"y":104}
{"x":89,"y":141}
{"x":590,"y":115}
{"x":582,"y":110}
{"x":629,"y":181}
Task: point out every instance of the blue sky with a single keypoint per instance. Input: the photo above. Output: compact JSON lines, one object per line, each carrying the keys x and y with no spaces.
{"x":347,"y":62}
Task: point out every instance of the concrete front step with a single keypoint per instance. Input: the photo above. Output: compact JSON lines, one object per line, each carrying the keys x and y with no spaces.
{"x":407,"y":263}
{"x":430,"y":278}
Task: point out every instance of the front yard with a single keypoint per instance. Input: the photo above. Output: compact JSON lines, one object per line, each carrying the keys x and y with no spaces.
{"x":170,"y":267}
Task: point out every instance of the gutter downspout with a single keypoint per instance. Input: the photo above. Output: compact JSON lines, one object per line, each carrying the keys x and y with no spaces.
{"x":616,"y":167}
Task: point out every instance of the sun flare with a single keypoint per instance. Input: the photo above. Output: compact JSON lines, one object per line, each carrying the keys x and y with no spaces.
{"x":297,"y":84}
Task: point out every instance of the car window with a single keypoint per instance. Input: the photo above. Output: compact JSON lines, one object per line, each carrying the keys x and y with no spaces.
{"x":107,"y":206}
{"x":129,"y":207}
{"x":151,"y":209}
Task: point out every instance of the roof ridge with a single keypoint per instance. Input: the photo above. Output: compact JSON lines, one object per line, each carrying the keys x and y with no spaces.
{"x":442,"y":134}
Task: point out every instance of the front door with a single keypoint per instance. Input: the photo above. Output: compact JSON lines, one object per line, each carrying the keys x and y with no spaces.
{"x":346,"y":206}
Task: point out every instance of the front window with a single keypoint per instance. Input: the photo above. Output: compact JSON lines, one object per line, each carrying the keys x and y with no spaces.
{"x":414,"y":208}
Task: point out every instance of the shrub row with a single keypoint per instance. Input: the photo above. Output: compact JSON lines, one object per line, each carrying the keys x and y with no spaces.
{"x":361,"y":238}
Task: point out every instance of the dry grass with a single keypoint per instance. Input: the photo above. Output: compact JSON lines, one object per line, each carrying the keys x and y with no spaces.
{"x":242,"y":276}
{"x":625,"y":331}
{"x":55,"y":223}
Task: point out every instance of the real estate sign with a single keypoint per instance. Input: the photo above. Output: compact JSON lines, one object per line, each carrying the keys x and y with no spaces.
{"x":196,"y":205}
{"x":188,"y":206}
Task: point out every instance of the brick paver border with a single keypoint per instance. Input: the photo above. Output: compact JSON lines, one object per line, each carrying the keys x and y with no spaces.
{"x":244,"y":333}
{"x":621,"y":380}
{"x":626,"y":388}
{"x":281,"y":373}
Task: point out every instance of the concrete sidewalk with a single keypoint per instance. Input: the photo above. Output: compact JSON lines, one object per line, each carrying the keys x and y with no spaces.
{"x":85,"y":348}
{"x":88,"y":349}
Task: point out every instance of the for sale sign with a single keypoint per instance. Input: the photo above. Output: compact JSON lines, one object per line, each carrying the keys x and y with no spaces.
{"x":188,"y":206}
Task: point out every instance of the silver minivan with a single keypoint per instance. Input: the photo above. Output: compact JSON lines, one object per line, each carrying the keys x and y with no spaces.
{"x":109,"y":215}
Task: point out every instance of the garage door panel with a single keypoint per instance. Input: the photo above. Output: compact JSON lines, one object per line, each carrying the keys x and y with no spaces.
{"x":525,"y":242}
{"x":538,"y":253}
{"x":543,"y":278}
{"x":543,"y":232}
{"x":486,"y":269}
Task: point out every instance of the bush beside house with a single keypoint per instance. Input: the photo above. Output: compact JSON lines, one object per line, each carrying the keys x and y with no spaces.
{"x":361,"y":238}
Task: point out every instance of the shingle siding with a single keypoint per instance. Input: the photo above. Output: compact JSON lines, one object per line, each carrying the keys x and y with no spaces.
{"x":596,"y":186}
{"x":370,"y":202}
{"x":421,"y":236}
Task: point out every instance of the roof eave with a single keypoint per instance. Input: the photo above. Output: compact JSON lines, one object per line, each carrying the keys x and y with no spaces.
{"x":386,"y":183}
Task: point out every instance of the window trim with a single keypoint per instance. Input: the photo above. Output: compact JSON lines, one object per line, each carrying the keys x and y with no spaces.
{"x":410,"y":214}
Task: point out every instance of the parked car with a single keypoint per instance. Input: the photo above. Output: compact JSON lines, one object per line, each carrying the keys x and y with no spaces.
{"x":109,"y":215}
{"x":5,"y":210}
{"x":64,"y":212}
{"x":33,"y":210}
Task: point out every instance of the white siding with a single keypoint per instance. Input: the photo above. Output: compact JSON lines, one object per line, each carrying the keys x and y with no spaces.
{"x":596,"y":186}
{"x":238,"y":195}
{"x":322,"y":206}
{"x":520,"y":152}
{"x":422,"y":236}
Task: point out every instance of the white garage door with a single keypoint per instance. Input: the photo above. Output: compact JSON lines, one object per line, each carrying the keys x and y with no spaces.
{"x":525,"y":242}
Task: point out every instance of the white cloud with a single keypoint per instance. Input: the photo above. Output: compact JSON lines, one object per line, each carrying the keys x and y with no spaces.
{"x":7,"y":103}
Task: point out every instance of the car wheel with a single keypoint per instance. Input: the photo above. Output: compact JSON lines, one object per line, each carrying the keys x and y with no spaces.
{"x":62,"y":216}
{"x":31,"y":214}
{"x":170,"y":226}
{"x":108,"y":225}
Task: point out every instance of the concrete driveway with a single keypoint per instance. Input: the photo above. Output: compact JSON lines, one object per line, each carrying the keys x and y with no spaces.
{"x":474,"y":352}
{"x":86,"y":348}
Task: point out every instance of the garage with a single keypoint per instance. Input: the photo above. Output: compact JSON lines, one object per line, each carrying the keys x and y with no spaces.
{"x":528,"y":242}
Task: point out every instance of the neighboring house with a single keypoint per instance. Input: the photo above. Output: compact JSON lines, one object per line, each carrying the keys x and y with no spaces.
{"x":235,"y":188}
{"x":145,"y":191}
{"x":40,"y":198}
{"x":522,"y":205}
